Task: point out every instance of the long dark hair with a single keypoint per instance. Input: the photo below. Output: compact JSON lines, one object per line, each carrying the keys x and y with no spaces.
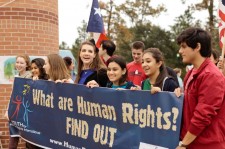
{"x":68,"y":61}
{"x":40,"y":63}
{"x":122,"y":63}
{"x":192,"y":36}
{"x":158,"y":56}
{"x":95,"y":65}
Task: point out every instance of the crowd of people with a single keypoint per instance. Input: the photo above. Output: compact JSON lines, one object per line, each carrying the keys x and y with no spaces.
{"x":203,"y":125}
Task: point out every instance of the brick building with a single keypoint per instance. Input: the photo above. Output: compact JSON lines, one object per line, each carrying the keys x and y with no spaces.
{"x":26,"y":26}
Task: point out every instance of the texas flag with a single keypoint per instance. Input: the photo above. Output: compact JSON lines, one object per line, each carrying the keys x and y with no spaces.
{"x":95,"y":24}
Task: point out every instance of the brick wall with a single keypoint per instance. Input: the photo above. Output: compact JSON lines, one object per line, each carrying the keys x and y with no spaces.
{"x":26,"y":26}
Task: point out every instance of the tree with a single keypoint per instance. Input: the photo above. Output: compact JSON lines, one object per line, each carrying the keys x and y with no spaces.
{"x":119,"y":28}
{"x":63,"y":46}
{"x":208,"y":5}
{"x":139,"y":10}
{"x":82,"y":36}
{"x":184,"y":21}
{"x":112,"y":18}
{"x":155,"y":36}
{"x":212,"y":22}
{"x":8,"y":70}
{"x":123,"y":40}
{"x":130,"y":21}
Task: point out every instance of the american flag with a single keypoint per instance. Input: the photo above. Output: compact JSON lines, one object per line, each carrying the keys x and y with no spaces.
{"x":95,"y":24}
{"x":222,"y":10}
{"x":221,"y":13}
{"x":221,"y":33}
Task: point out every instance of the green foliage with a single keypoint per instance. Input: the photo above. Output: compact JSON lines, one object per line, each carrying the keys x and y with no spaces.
{"x":123,"y":40}
{"x":130,"y":22}
{"x":212,"y":23}
{"x":64,"y":46}
{"x":8,"y":70}
{"x":140,"y":10}
{"x":111,"y":17}
{"x":184,"y":21}
{"x":82,"y":37}
{"x":154,"y":36}
{"x":181,"y":22}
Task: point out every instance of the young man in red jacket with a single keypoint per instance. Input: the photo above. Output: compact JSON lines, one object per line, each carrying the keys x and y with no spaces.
{"x":203,"y":122}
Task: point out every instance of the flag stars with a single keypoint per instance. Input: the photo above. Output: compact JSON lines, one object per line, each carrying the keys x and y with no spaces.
{"x":97,"y":11}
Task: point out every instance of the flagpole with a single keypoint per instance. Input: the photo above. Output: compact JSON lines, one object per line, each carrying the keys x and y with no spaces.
{"x":221,"y":13}
{"x":222,"y":54}
{"x":223,"y":49}
{"x":92,"y":35}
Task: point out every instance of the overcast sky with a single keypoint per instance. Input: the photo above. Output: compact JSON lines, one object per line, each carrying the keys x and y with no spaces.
{"x":72,"y":12}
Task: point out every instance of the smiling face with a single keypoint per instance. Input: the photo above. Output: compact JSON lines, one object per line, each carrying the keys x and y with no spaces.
{"x":35,"y":70}
{"x":137,"y":55}
{"x":149,"y":64}
{"x":115,"y":72}
{"x":20,"y":65}
{"x":87,"y":55}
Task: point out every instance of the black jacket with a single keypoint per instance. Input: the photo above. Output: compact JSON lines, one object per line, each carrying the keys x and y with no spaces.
{"x":99,"y":76}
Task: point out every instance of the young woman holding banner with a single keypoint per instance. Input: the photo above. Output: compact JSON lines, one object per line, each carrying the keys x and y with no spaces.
{"x":90,"y":66}
{"x":22,"y":66}
{"x":117,"y":74}
{"x":56,"y":69}
{"x":158,"y":78}
{"x":38,"y":72}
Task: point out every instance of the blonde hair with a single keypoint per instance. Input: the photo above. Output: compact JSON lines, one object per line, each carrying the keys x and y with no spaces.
{"x":95,"y":65}
{"x":58,"y":69}
{"x":27,"y":60}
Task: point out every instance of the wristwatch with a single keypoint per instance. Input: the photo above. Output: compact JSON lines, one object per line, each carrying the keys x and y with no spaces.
{"x":181,"y":144}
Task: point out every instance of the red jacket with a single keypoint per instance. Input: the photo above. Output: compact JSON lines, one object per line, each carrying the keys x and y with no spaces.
{"x":204,"y":107}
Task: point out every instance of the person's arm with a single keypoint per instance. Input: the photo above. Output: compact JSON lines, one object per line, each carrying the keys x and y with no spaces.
{"x":136,"y":87}
{"x":220,"y":65}
{"x":92,"y":84}
{"x":6,"y":116}
{"x":155,"y":89}
{"x":210,"y":96}
{"x":65,"y":81}
{"x":188,"y":138}
{"x":178,"y":92}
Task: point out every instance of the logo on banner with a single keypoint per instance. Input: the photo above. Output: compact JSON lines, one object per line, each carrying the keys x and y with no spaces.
{"x":26,"y":104}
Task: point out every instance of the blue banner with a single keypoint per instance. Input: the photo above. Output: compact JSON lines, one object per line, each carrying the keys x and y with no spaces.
{"x":61,"y":115}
